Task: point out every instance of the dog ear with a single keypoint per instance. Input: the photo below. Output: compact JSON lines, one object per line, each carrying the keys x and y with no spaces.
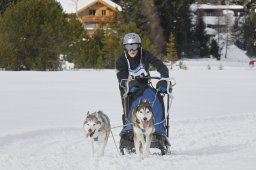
{"x":147,"y":101}
{"x":97,"y":114}
{"x":88,"y":113}
{"x":140,"y":102}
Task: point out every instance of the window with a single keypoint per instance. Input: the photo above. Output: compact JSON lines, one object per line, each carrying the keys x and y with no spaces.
{"x":90,"y":26}
{"x":209,"y":12}
{"x":103,"y":12}
{"x":92,"y":12}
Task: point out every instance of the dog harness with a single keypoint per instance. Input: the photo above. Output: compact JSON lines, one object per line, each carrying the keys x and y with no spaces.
{"x":96,"y":139}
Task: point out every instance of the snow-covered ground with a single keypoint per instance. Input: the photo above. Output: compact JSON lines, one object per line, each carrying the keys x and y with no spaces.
{"x":212,"y":119}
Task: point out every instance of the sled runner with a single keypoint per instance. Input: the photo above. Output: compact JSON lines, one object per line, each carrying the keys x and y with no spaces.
{"x":160,"y":103}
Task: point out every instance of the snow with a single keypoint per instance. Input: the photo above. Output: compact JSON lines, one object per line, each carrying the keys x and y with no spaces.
{"x":214,"y":20}
{"x":69,"y":6}
{"x":195,"y":6}
{"x":212,"y":119}
{"x":227,"y":10}
{"x":66,"y":65}
{"x":210,"y":31}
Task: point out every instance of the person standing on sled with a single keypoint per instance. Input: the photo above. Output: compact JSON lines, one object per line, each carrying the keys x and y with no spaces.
{"x":134,"y":63}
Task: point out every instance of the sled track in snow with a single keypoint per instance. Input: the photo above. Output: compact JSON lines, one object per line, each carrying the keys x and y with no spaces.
{"x":214,"y":136}
{"x":194,"y":141}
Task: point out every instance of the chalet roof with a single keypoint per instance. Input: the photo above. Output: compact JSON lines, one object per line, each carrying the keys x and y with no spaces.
{"x":195,"y":7}
{"x":69,"y":6}
{"x":108,"y":3}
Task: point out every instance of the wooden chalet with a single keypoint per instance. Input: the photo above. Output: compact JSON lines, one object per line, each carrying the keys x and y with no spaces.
{"x":97,"y":15}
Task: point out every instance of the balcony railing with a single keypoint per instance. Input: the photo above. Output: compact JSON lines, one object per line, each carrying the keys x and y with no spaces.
{"x":89,"y":18}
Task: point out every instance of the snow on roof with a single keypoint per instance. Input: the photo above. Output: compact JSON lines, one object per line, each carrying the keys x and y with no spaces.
{"x":210,"y":31}
{"x":113,"y":4}
{"x":106,"y":2}
{"x":227,"y":12}
{"x":214,"y":20}
{"x":194,"y":7}
{"x":69,"y":6}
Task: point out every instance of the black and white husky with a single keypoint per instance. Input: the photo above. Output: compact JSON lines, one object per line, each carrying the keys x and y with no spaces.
{"x":143,"y":127}
{"x":97,"y":128}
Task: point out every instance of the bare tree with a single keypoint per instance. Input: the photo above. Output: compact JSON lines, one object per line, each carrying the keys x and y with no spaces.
{"x":229,"y":17}
{"x":76,"y":6}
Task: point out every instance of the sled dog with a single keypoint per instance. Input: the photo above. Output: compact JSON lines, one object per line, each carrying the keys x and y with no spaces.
{"x":143,"y":127}
{"x":97,"y":128}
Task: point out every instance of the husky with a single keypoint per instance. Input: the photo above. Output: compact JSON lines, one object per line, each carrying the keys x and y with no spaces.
{"x":143,"y":127}
{"x":97,"y":128}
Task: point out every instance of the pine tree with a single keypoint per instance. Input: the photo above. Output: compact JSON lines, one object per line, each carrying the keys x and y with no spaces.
{"x":72,"y":44}
{"x":5,"y":4}
{"x":250,"y":34}
{"x":34,"y":31}
{"x":215,"y":49}
{"x":112,"y":41}
{"x":171,"y":50}
{"x":8,"y":57}
{"x":88,"y":53}
{"x":147,"y":44}
{"x":183,"y":33}
{"x":237,"y":2}
{"x":133,"y":12}
{"x":111,"y":50}
{"x":175,"y":17}
{"x":201,"y":39}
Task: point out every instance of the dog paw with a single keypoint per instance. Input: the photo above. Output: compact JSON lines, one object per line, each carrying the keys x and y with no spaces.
{"x":145,"y":156}
{"x":139,"y":158}
{"x":101,"y":155}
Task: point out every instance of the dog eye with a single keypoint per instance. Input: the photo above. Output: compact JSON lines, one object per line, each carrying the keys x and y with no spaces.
{"x":140,"y":111}
{"x":94,"y":124}
{"x":88,"y":124}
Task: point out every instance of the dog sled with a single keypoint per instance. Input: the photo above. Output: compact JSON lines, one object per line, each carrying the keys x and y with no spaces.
{"x":160,"y":103}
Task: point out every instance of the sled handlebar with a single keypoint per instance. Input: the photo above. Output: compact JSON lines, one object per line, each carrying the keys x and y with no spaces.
{"x":171,"y":79}
{"x":125,"y":82}
{"x":147,"y":78}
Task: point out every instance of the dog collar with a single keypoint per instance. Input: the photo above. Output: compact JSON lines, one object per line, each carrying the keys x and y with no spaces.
{"x":143,"y":130}
{"x":96,"y":139}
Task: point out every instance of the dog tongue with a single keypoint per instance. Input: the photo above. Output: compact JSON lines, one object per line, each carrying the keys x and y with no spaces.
{"x":145,"y":125}
{"x":89,"y":134}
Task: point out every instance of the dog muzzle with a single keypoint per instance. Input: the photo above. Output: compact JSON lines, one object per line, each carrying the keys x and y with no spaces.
{"x":145,"y":124}
{"x":90,"y":134}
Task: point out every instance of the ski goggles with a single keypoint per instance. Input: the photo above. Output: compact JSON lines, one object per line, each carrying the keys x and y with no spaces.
{"x":130,"y":47}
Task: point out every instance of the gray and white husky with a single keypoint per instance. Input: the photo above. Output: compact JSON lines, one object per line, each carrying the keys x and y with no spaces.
{"x":143,"y":127}
{"x":97,"y":128}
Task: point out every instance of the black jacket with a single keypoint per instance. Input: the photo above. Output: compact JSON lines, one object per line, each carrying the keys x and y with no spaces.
{"x":147,"y":60}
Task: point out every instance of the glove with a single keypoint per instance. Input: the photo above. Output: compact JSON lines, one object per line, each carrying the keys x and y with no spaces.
{"x":134,"y":86}
{"x":133,"y":89}
{"x":161,"y":86}
{"x":162,"y":89}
